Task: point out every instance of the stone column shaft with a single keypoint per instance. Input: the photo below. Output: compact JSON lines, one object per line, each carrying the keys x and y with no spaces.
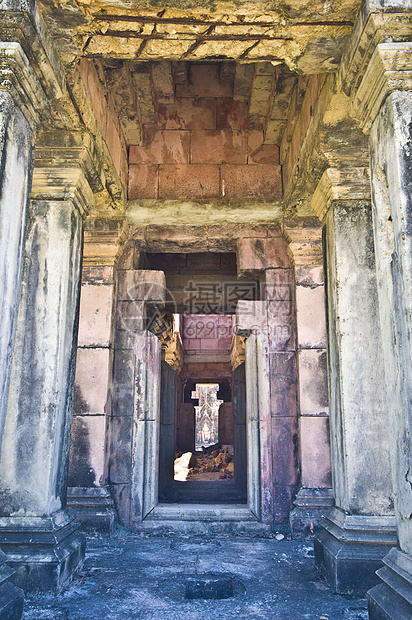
{"x":315,"y":496}
{"x":135,"y":419}
{"x":383,"y":107}
{"x":34,"y":459}
{"x":358,"y":531}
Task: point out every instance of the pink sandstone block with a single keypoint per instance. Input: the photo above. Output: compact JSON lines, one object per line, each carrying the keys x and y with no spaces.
{"x":255,"y":140}
{"x":233,"y":115}
{"x":165,"y":147}
{"x":131,"y":315}
{"x":188,"y":113}
{"x":252,"y":181}
{"x":143,"y":182}
{"x":91,"y":381}
{"x":310,"y":306}
{"x":265,"y":154}
{"x":89,"y":431}
{"x":142,"y":285}
{"x":216,"y":147}
{"x":283,"y":384}
{"x":278,"y":285}
{"x":95,"y":322}
{"x":257,"y":255}
{"x":189,"y":181}
{"x":282,"y":325}
{"x":284,"y":453}
{"x":204,"y":81}
{"x":315,"y":451}
{"x":313,"y":382}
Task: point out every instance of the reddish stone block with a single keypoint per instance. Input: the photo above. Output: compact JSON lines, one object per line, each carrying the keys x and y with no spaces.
{"x":282,"y":325}
{"x":313,"y":382}
{"x":282,"y":501}
{"x":204,"y":81}
{"x":310,"y":305}
{"x":95,"y":321}
{"x":165,"y":147}
{"x":143,"y":182}
{"x":209,"y":344}
{"x":255,"y":255}
{"x":233,"y":115}
{"x":278,"y":285}
{"x":255,"y":140}
{"x":190,"y":113}
{"x":284,"y":450}
{"x":92,"y":381}
{"x":265,"y":154}
{"x":131,"y":315}
{"x":191,"y":344}
{"x":315,"y":452}
{"x":215,"y":147}
{"x":283,"y":384}
{"x":252,"y":181}
{"x":189,"y":181}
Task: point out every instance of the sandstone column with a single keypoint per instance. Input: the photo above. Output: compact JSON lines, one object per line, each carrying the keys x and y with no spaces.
{"x":22,"y":106}
{"x":359,"y":530}
{"x":383,"y":107}
{"x":135,"y":419}
{"x":88,"y":493}
{"x":271,"y":377}
{"x":315,"y":495}
{"x":34,"y":458}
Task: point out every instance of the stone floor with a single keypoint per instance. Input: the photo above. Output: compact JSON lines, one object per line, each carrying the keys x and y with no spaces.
{"x":133,"y":576}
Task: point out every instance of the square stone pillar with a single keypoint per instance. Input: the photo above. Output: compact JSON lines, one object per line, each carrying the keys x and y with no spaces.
{"x":315,"y":496}
{"x":88,"y":492}
{"x":383,"y":108}
{"x":271,"y":377}
{"x":40,"y":536}
{"x":23,"y":105}
{"x":135,"y":419}
{"x":358,"y":532}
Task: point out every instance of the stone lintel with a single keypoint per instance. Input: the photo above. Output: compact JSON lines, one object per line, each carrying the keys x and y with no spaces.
{"x":389,"y":69}
{"x":18,"y":79}
{"x":305,"y":240}
{"x":346,"y":184}
{"x":350,"y":548}
{"x":392,"y":598}
{"x":62,"y":185}
{"x":102,"y":241}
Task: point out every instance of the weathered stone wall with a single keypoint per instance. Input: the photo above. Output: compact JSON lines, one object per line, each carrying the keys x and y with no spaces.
{"x":202,"y":147}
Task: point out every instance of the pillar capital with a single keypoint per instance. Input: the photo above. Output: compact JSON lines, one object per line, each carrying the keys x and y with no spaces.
{"x":305,"y":240}
{"x":102,"y":241}
{"x":19,"y":80}
{"x":348,"y":184}
{"x":66,"y":168}
{"x":389,"y":69}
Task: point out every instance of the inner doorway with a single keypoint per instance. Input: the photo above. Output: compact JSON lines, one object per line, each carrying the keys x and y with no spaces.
{"x":203,"y":441}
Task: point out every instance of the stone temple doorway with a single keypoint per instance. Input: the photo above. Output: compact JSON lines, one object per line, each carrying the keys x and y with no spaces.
{"x":244,"y":294}
{"x":202,"y":448}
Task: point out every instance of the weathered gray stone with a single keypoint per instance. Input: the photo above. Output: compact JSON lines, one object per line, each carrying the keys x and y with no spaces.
{"x":358,"y":413}
{"x":34,"y":458}
{"x":390,"y":144}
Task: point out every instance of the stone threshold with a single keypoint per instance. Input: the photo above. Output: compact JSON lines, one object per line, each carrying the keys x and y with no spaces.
{"x":199,"y":518}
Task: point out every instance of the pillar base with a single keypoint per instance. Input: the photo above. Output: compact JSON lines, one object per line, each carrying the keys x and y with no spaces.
{"x":392,"y":598}
{"x":350,"y":548}
{"x":311,"y":506}
{"x":94,"y":508}
{"x":45,"y":552}
{"x":11,"y":597}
